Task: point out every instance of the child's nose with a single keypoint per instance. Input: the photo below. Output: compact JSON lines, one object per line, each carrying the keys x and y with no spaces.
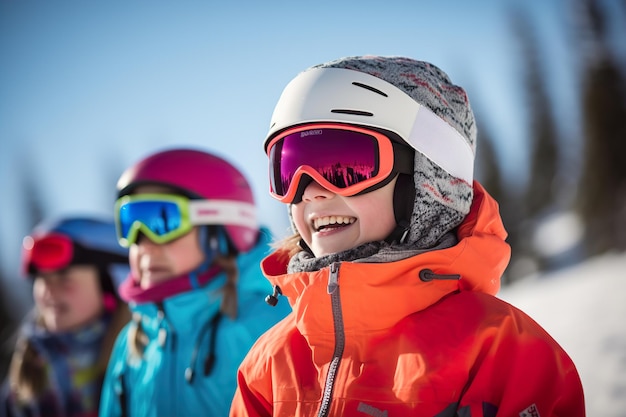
{"x":144,"y":241}
{"x":315,"y":191}
{"x":51,"y":289}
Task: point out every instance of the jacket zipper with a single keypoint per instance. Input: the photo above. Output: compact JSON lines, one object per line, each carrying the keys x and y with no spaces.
{"x":333,"y":290}
{"x":166,"y":338}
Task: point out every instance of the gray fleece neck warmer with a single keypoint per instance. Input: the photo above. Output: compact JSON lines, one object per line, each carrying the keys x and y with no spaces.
{"x":373,"y":252}
{"x":441,"y":200}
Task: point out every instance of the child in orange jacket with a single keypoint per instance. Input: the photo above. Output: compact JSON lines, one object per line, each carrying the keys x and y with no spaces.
{"x":396,"y":260}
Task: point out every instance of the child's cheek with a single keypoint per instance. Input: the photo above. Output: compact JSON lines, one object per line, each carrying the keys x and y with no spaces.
{"x":133,"y":262}
{"x":68,"y":290}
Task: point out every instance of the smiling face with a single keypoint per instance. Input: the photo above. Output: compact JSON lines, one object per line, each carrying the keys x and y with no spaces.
{"x":331,"y":223}
{"x":151,"y":263}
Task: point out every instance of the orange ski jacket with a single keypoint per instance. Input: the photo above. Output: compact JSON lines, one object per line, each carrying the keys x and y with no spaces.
{"x":424,"y":337}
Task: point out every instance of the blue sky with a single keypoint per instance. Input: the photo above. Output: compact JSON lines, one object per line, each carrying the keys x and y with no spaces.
{"x":88,"y":88}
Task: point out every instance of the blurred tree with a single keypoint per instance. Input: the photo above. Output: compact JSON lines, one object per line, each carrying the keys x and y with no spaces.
{"x":539,"y":196}
{"x":544,"y":154}
{"x":34,"y":212}
{"x":489,"y":174}
{"x":7,"y":328}
{"x":9,"y":318}
{"x":602,"y":192}
{"x":488,"y":171}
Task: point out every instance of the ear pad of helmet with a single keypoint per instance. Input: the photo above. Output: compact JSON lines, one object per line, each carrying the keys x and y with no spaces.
{"x":403,"y":201}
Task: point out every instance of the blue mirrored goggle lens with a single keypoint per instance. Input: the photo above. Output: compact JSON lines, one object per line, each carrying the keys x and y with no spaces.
{"x":161,"y":217}
{"x":342,"y":157}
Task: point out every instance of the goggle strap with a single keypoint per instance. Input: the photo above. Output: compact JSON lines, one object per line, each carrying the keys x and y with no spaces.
{"x":224,"y":212}
{"x":442,"y":144}
{"x":403,"y":201}
{"x":404,"y":158}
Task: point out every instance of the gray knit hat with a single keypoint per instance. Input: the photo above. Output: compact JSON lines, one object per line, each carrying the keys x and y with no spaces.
{"x":443,"y":190}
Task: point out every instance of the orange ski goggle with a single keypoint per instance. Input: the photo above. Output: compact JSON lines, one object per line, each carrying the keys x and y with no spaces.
{"x":345,"y":159}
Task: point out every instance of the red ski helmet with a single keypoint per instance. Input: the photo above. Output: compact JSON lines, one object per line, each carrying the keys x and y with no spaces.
{"x":197,"y":175}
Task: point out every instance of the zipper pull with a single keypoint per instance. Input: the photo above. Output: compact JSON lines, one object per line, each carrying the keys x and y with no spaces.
{"x":333,"y":279}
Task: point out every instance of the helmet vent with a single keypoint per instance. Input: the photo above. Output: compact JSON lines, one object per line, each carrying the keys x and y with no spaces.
{"x":353,"y":112}
{"x":369,"y":87}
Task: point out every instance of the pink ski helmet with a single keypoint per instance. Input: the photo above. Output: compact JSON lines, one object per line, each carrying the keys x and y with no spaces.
{"x":198,"y":175}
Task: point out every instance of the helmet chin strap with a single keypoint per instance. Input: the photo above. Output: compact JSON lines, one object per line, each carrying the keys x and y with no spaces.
{"x":302,"y":245}
{"x":210,"y":246}
{"x":403,"y":201}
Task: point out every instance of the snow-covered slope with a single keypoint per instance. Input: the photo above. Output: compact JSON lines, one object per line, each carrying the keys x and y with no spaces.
{"x":584,"y":309}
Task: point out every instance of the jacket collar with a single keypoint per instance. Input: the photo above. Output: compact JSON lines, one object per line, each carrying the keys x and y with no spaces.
{"x":377,"y":295}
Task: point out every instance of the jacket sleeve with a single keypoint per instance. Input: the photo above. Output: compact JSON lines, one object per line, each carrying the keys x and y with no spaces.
{"x":254,"y":393}
{"x":248,"y":401}
{"x":522,"y":372}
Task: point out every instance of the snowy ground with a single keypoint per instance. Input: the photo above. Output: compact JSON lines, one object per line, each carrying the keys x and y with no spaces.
{"x":584,"y":309}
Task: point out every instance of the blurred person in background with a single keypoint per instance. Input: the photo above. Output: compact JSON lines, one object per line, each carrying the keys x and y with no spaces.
{"x":63,"y":346}
{"x":195,"y":287}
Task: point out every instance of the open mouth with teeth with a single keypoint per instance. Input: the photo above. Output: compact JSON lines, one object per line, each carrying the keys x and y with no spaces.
{"x":332,"y":222}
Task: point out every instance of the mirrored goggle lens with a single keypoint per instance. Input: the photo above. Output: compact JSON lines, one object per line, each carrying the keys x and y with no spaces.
{"x":161,"y":218}
{"x":343,"y":157}
{"x":48,"y":253}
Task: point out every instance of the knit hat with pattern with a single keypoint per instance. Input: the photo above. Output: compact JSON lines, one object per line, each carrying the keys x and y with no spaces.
{"x":442,"y":200}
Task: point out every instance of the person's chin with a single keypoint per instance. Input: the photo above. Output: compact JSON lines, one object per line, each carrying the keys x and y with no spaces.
{"x":324,"y":248}
{"x":152,"y":280}
{"x":55,"y":325}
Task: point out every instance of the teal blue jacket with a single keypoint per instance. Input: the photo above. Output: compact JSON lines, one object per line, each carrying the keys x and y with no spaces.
{"x":189,"y":367}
